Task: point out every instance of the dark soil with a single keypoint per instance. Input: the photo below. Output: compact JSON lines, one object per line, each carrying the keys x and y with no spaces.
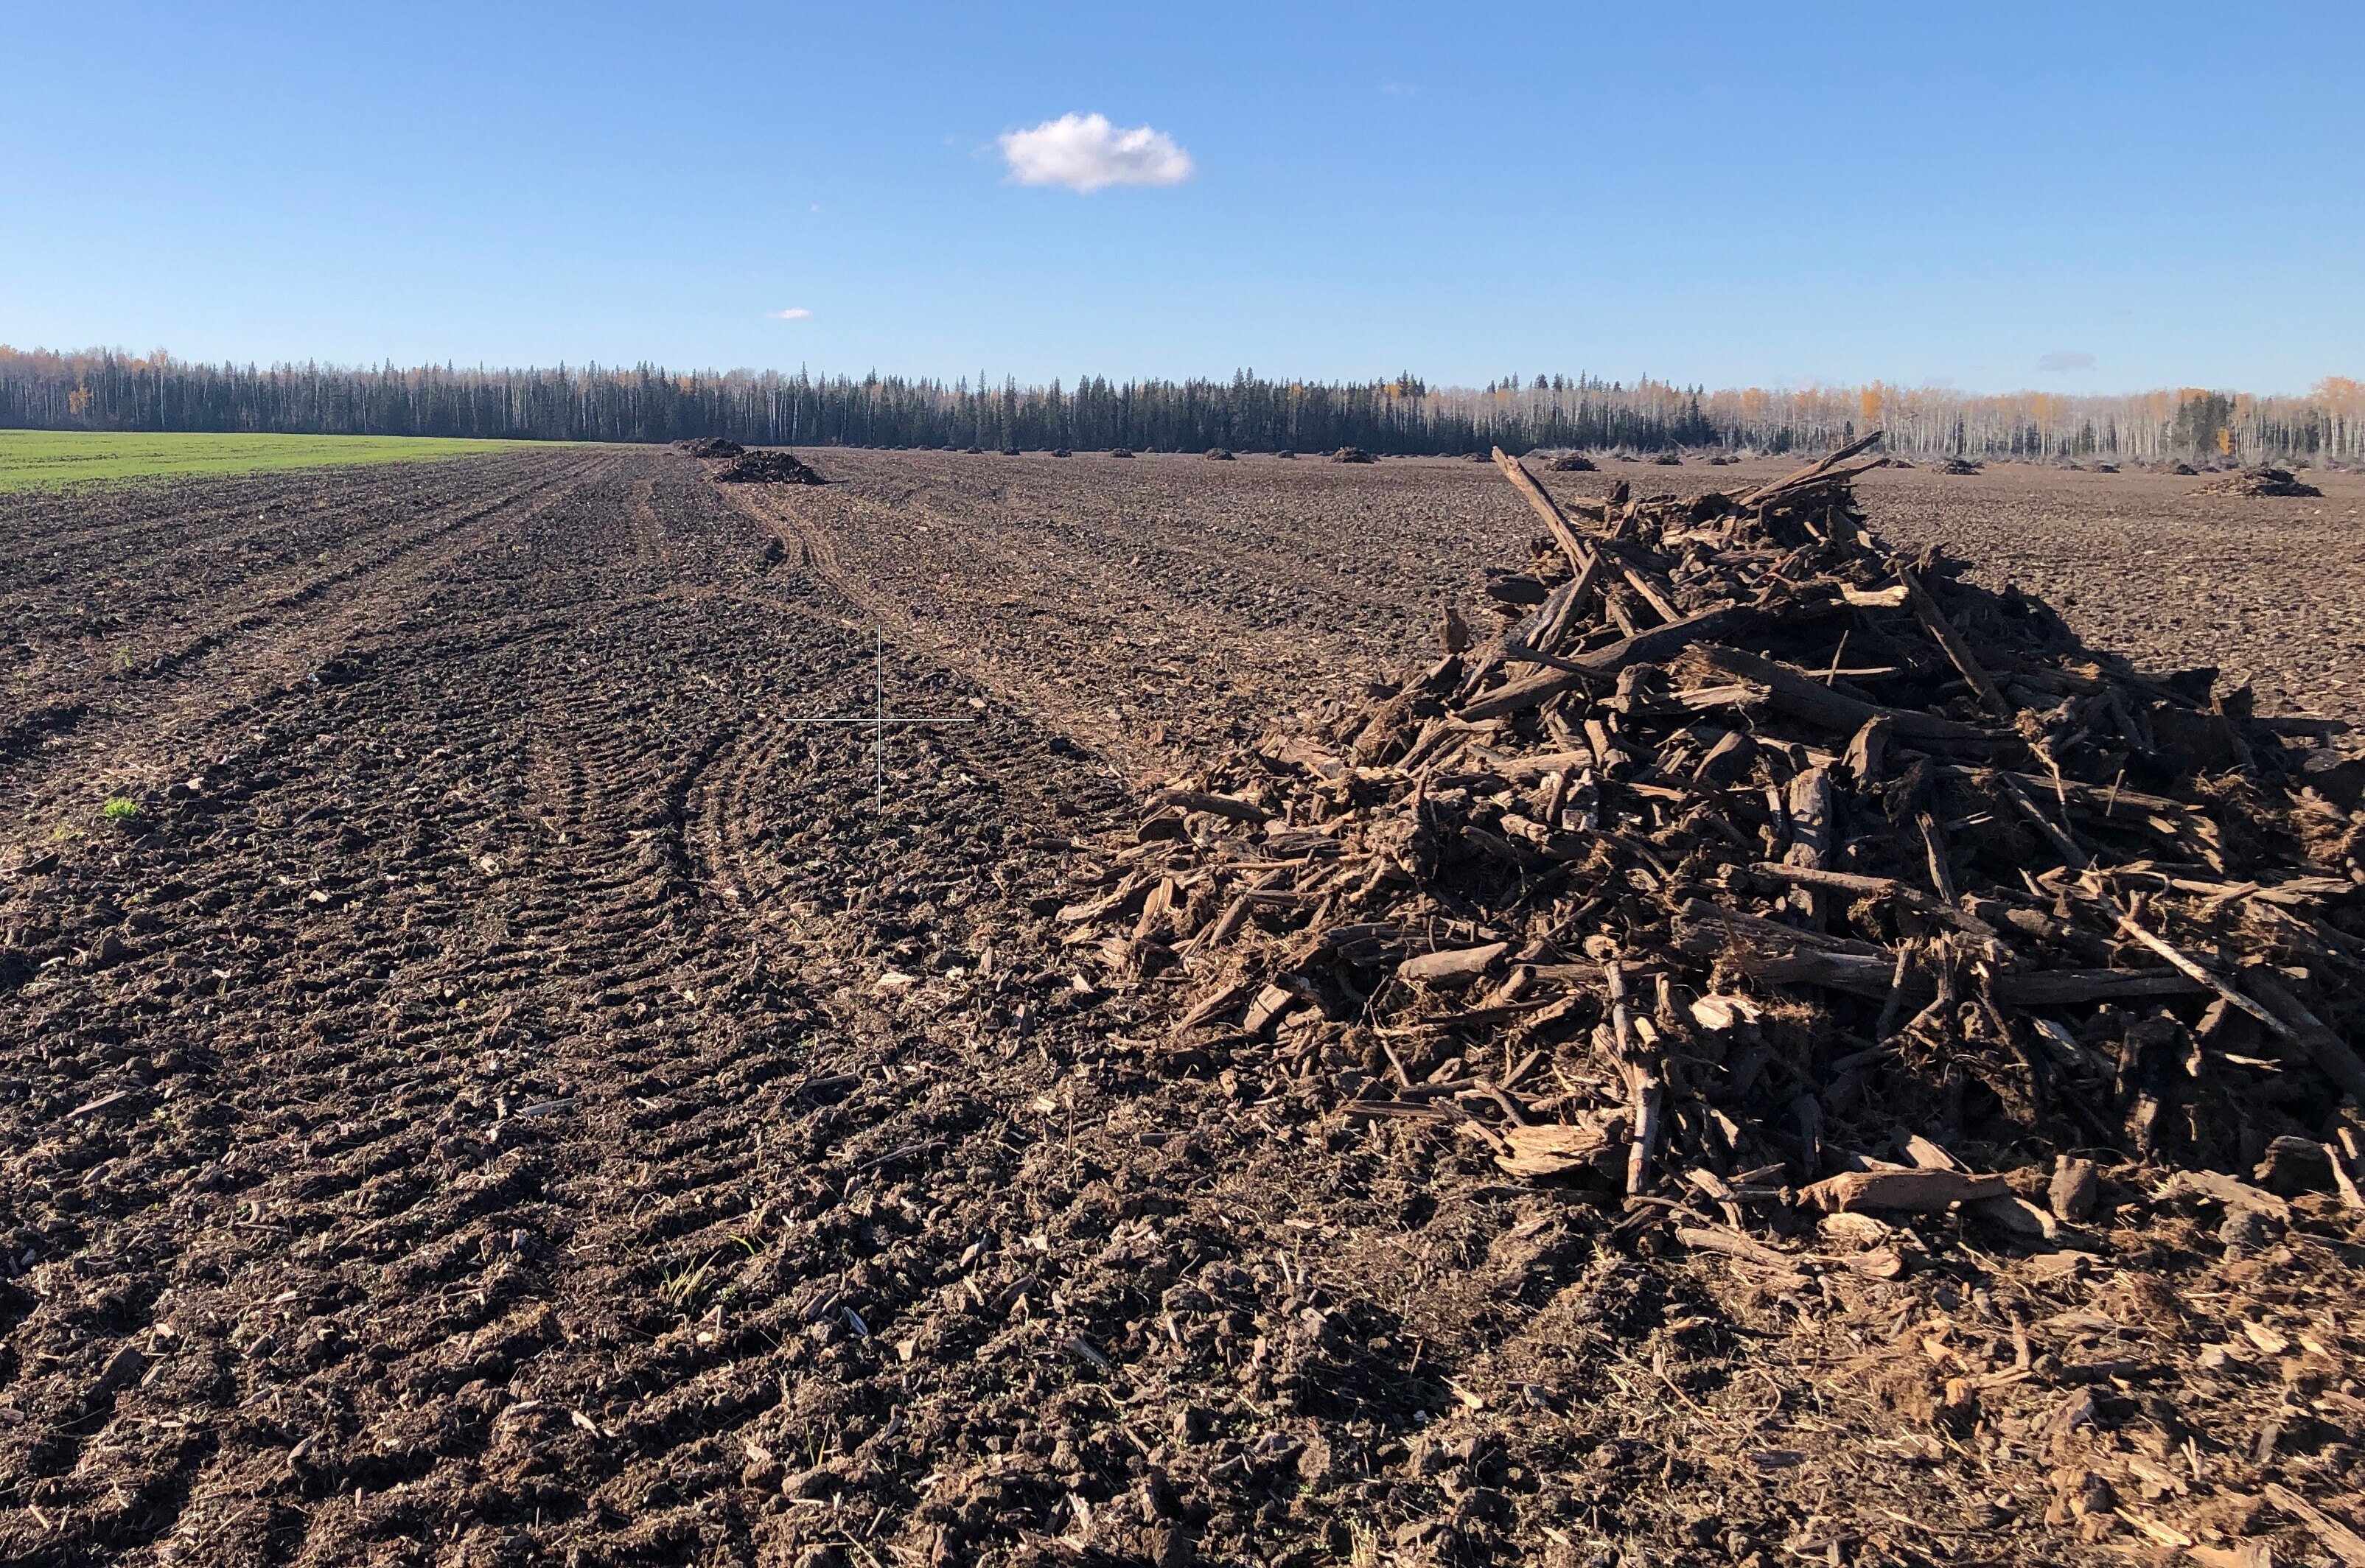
{"x":511,"y":1094}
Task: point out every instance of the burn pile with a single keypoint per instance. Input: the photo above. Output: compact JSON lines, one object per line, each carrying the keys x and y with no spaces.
{"x":709,"y":446}
{"x":768,"y":465}
{"x":1754,"y":868}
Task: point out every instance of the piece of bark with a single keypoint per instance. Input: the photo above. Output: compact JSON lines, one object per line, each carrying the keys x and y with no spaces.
{"x":1269,"y":1003}
{"x":1919,"y":1191}
{"x":2338,"y":1538}
{"x":1865,"y":752}
{"x":1808,"y":804}
{"x":2016,"y":1215}
{"x":1452,"y":967}
{"x":1735,"y":1244}
{"x":1728,"y":761}
{"x":1220,"y":805}
{"x":1933,"y":850}
{"x":1535,"y":765}
{"x":2220,"y":1188}
{"x":2075,"y":1188}
{"x":1551,"y":1150}
{"x":2344,"y":1181}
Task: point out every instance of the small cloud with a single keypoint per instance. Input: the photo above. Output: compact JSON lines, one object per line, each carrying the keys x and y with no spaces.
{"x":1085,"y":152}
{"x":793,"y":313}
{"x":1400,"y":89}
{"x":2064,"y":360}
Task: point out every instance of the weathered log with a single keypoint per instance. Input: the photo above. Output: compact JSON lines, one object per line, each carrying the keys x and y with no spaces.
{"x":1913,"y":1191}
{"x":1652,"y":646}
{"x":1795,"y":692}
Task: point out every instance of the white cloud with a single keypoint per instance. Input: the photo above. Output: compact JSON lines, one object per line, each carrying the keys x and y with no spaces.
{"x":793,"y":313}
{"x":2061,"y":361}
{"x":1085,"y":152}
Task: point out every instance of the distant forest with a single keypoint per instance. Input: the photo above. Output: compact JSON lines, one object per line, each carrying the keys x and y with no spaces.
{"x":102,"y":390}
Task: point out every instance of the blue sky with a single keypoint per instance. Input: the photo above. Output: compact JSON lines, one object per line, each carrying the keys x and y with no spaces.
{"x":2079,"y":196}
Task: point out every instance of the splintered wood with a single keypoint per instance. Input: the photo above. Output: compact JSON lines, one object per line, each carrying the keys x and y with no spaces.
{"x":1745,"y":845}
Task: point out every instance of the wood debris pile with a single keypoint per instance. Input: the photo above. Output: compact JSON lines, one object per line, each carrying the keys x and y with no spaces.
{"x":2261,"y":481}
{"x":768,"y":465}
{"x":1754,"y":866}
{"x":709,"y":446}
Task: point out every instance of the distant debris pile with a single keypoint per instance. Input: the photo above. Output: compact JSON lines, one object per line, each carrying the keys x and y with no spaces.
{"x":2260,"y":481}
{"x":768,"y":465}
{"x":709,"y":446}
{"x":1218,"y":454}
{"x":1351,"y":455}
{"x":1574,"y":463}
{"x":1958,"y":466}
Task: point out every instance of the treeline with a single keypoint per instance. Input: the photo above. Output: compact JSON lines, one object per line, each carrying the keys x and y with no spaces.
{"x":107,"y":390}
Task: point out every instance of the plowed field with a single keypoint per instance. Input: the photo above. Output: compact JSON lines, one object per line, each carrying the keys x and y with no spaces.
{"x":506,"y":1091}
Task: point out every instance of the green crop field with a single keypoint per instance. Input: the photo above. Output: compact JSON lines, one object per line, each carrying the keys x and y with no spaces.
{"x":43,"y":460}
